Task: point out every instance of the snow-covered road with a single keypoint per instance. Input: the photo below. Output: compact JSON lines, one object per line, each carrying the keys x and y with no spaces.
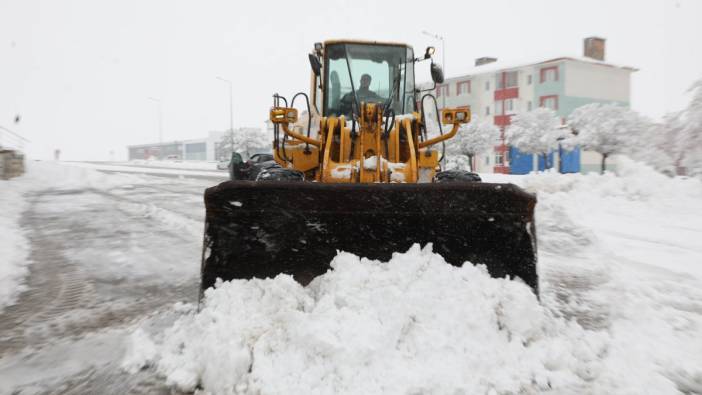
{"x":105,"y":251}
{"x":109,"y":265}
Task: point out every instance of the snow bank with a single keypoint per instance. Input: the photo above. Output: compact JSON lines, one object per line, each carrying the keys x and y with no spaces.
{"x":14,"y":247}
{"x":411,"y":325}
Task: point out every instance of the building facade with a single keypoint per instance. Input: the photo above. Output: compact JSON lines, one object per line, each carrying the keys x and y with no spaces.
{"x":208,"y":148}
{"x":496,"y":91}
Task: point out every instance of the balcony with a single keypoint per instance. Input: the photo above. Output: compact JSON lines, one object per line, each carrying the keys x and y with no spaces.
{"x":507,"y":93}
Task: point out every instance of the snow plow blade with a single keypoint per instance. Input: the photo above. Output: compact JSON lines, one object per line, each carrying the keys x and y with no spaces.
{"x":262,"y":229}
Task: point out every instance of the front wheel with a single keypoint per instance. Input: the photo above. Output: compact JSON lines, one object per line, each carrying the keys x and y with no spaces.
{"x":456,"y":176}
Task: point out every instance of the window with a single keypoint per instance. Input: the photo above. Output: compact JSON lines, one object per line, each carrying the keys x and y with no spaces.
{"x":506,"y":80}
{"x":529,"y":79}
{"x":549,"y":74}
{"x":529,"y":105}
{"x":463,"y":88}
{"x":505,"y":107}
{"x":391,"y":76}
{"x":487,"y":110}
{"x":487,"y":85}
{"x":511,"y":79}
{"x":498,"y":158}
{"x":442,"y":90}
{"x":549,"y":102}
{"x":487,"y":160}
{"x":509,"y":106}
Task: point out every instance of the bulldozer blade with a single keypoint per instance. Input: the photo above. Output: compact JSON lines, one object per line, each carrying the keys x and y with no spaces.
{"x":262,"y":229}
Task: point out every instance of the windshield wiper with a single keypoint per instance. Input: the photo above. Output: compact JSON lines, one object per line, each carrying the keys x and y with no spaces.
{"x":353,"y":88}
{"x":395,"y":87}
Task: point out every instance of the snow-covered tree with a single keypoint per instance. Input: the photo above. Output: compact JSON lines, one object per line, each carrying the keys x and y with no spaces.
{"x":535,"y":132}
{"x":653,"y":146}
{"x":690,"y":137}
{"x":246,"y":141}
{"x":473,"y":139}
{"x":608,"y":129}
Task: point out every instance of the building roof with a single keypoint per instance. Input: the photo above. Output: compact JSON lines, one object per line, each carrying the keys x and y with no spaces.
{"x":155,"y":144}
{"x":502,"y":65}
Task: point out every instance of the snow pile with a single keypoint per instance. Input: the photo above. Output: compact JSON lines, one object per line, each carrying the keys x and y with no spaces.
{"x":620,"y":252}
{"x":633,"y":181}
{"x":412,"y":325}
{"x":14,"y":247}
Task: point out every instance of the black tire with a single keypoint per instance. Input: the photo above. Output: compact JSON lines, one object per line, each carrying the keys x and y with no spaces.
{"x":456,"y":176}
{"x":280,"y":174}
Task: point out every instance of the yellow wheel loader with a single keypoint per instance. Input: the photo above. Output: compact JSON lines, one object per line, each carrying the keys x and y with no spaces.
{"x":361,"y":174}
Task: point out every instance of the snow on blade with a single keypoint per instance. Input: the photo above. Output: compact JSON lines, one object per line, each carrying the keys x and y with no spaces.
{"x":411,"y":325}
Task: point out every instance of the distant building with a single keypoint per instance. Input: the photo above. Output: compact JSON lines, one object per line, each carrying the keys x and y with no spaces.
{"x":496,"y":91}
{"x":208,"y":148}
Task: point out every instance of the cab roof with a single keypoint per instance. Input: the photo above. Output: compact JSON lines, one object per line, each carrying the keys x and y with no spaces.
{"x":350,"y":41}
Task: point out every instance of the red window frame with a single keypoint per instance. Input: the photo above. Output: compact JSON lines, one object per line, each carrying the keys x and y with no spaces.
{"x":543,"y":71}
{"x":444,"y":87}
{"x":458,"y":87}
{"x":542,"y":99}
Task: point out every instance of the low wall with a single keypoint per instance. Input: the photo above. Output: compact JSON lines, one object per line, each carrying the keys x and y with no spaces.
{"x":11,"y":164}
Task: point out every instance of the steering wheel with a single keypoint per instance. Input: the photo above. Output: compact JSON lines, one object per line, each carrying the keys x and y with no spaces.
{"x":346,"y":104}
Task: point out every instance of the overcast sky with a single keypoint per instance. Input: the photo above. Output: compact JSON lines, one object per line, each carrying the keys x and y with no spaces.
{"x":80,"y":72}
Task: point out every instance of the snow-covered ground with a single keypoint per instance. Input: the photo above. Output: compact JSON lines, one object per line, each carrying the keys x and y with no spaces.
{"x":170,"y":164}
{"x":199,"y":169}
{"x":91,"y":253}
{"x":620,"y":310}
{"x":98,"y":261}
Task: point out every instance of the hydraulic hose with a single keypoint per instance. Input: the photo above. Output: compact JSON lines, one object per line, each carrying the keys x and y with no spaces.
{"x":309,"y":116}
{"x":438,"y":120}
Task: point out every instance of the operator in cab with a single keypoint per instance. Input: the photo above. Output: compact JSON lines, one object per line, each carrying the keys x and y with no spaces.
{"x":363,"y":95}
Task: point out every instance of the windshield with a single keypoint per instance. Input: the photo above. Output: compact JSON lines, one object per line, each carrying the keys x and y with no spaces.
{"x":359,"y":73}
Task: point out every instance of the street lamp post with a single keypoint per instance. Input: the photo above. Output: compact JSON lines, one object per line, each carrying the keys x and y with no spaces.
{"x":231,"y":111}
{"x":231,"y":103}
{"x":160,"y":118}
{"x":443,"y":57}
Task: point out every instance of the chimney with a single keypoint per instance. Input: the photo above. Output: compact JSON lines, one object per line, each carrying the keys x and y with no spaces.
{"x":594,"y":47}
{"x":484,"y":60}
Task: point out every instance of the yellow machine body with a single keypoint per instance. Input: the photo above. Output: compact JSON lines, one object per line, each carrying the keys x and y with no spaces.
{"x":368,"y":180}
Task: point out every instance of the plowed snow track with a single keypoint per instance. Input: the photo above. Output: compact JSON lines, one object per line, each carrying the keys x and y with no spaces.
{"x":102,"y":259}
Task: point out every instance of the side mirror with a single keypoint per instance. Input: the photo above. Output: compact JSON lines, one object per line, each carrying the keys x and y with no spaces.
{"x":429,"y":52}
{"x":437,"y":75}
{"x":316,"y":66}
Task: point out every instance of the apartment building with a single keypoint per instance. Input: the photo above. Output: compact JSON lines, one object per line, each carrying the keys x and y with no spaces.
{"x":496,"y":91}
